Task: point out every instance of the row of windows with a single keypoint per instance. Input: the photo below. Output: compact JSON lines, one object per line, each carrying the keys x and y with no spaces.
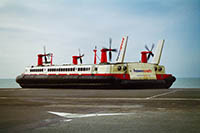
{"x":84,"y":69}
{"x":61,"y":69}
{"x":36,"y":70}
{"x":68,"y":69}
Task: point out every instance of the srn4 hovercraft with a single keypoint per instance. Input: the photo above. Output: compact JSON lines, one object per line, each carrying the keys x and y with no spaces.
{"x":118,"y":75}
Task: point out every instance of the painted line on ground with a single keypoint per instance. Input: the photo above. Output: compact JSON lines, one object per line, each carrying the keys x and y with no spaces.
{"x":132,"y":99}
{"x":155,"y":98}
{"x":175,"y":99}
{"x":71,"y":116}
{"x":162,"y":94}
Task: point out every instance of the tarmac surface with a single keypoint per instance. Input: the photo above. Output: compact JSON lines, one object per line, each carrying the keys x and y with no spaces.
{"x":97,"y":111}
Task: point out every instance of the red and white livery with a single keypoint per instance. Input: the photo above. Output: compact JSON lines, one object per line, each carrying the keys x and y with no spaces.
{"x":125,"y":75}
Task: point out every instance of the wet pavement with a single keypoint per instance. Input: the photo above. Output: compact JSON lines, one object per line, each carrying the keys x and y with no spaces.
{"x":89,"y":111}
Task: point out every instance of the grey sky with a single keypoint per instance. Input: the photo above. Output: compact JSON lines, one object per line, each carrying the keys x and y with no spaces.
{"x":65,"y":26}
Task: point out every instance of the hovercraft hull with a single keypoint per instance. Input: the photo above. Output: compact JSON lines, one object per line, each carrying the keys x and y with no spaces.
{"x":101,"y":82}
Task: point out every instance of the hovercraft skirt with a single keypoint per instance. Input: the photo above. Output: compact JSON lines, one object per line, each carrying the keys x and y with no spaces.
{"x":79,"y":81}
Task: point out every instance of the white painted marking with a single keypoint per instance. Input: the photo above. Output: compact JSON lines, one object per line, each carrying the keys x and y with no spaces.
{"x":67,"y":120}
{"x":72,"y":116}
{"x":162,"y":94}
{"x":176,"y":99}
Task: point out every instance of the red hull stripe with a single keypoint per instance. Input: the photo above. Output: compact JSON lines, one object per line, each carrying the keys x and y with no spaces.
{"x":62,"y":74}
{"x":162,"y":76}
{"x":51,"y":74}
{"x":121,"y":76}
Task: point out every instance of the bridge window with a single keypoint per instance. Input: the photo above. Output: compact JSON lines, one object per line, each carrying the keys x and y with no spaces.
{"x":124,"y":68}
{"x":160,"y":69}
{"x":119,"y":68}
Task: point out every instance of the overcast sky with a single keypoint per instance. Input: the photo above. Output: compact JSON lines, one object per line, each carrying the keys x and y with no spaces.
{"x":64,"y":26}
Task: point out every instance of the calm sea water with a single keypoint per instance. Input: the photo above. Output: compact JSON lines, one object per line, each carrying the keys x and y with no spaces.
{"x":179,"y":83}
{"x":8,"y":83}
{"x":186,"y":83}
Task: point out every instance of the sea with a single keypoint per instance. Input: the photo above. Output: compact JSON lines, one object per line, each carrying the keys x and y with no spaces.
{"x":179,"y":83}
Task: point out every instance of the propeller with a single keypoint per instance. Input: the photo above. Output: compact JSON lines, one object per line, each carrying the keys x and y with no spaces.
{"x":110,"y":49}
{"x":150,"y":51}
{"x":49,"y":55}
{"x":80,"y":56}
{"x":45,"y":57}
{"x":110,"y":53}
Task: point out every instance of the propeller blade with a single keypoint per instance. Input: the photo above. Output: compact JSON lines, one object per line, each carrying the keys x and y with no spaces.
{"x":147,"y":48}
{"x":148,"y":56}
{"x":81,"y":61}
{"x":79,"y":52}
{"x":110,"y":42}
{"x":49,"y":54}
{"x":44,"y":50}
{"x":114,"y":50}
{"x":110,"y":55}
{"x":152,"y":46}
{"x":45,"y":58}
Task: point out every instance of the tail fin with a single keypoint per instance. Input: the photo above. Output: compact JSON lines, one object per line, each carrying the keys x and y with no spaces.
{"x":122,"y":50}
{"x":158,"y":52}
